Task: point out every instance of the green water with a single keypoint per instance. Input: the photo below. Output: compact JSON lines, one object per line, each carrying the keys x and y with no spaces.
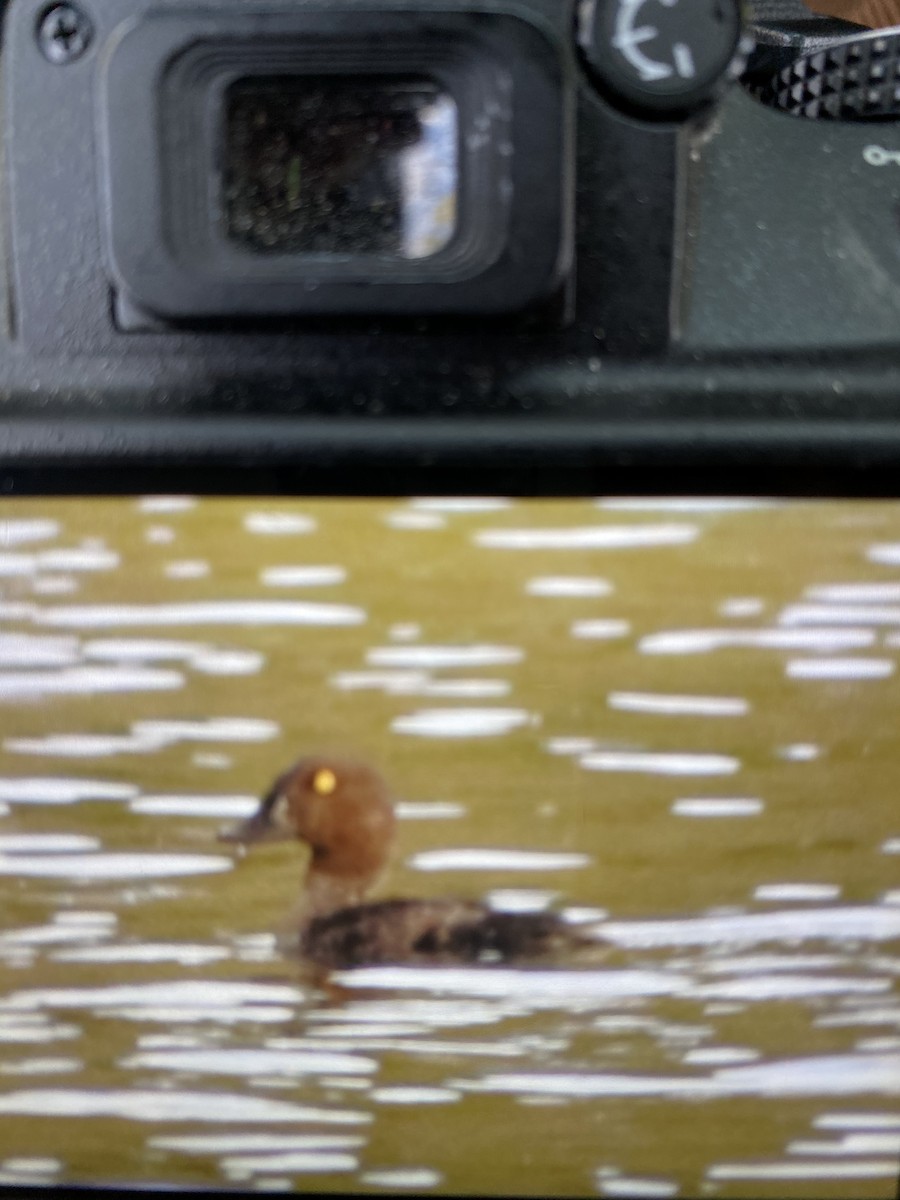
{"x":677,"y":722}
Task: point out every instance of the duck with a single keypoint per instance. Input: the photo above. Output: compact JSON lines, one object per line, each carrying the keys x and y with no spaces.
{"x":342,"y":810}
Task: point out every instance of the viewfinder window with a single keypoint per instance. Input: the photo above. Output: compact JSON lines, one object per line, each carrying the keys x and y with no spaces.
{"x":341,"y":166}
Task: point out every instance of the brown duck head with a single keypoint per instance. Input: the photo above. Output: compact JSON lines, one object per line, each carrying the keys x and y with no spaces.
{"x":342,"y":811}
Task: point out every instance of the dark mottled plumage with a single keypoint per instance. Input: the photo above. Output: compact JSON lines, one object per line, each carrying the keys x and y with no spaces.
{"x":342,"y":811}
{"x":430,"y":931}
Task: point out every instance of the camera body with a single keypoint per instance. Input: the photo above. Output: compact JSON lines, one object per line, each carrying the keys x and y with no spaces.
{"x":370,"y":246}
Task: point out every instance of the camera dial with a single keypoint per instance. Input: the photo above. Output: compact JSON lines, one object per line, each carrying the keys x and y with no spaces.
{"x":855,"y":79}
{"x":661,"y":58}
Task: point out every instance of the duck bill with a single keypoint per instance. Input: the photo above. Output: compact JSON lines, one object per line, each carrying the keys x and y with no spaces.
{"x":258,"y":828}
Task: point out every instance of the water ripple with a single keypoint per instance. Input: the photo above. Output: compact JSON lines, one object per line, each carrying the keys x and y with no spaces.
{"x":660,"y":764}
{"x":568,"y":586}
{"x":85,"y":681}
{"x":703,"y":641}
{"x":161,"y":1105}
{"x":497,"y":860}
{"x":251,"y":1062}
{"x":839,"y":1074}
{"x":63,"y":791}
{"x":438,"y":657}
{"x":461,"y":722}
{"x":588,"y":537}
{"x":255,"y":613}
{"x":840,"y":924}
{"x":112,"y":866}
{"x":678,"y":706}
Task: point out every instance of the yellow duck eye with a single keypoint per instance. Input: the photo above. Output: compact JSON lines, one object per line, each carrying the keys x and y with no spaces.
{"x":324,"y":782}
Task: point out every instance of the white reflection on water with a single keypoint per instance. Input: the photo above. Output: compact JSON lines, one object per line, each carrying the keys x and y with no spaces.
{"x":867,"y":1016}
{"x":461,"y":722}
{"x":858,"y":1120}
{"x":436,"y":810}
{"x":796,"y":891}
{"x":393,"y":683}
{"x":146,"y":737}
{"x":15,"y":532}
{"x":405,"y":519}
{"x":877,"y":1169}
{"x":63,"y":791}
{"x":300,"y":1162}
{"x":712,"y":807}
{"x":166,"y":504}
{"x":709,"y":1056}
{"x":739,"y":607}
{"x":196,"y":806}
{"x":497,"y":860}
{"x":112,"y":866}
{"x":698,"y":504}
{"x":676,"y":706}
{"x":208,"y":660}
{"x":199,"y":993}
{"x":159,"y":535}
{"x":537,"y":987}
{"x":252,"y":1062}
{"x":416,"y":1095}
{"x":46,"y":843}
{"x":145,"y":952}
{"x":843,"y":614}
{"x":854,"y":593}
{"x":20,"y":1030}
{"x":568,"y":586}
{"x":213,"y":612}
{"x":255,"y":1143}
{"x":163,"y":1105}
{"x":867,"y":923}
{"x":85,"y":681}
{"x":460,"y":504}
{"x":438,"y":657}
{"x":786,"y":987}
{"x":601,"y":630}
{"x":520,"y":899}
{"x":703,"y":641}
{"x":186,"y":569}
{"x":403,"y":1177}
{"x":28,"y":650}
{"x":303,"y":576}
{"x":854,"y":1143}
{"x":78,"y":927}
{"x":418,"y":683}
{"x":42,"y":1066}
{"x":276,"y":523}
{"x":840,"y":668}
{"x":588,"y":537}
{"x":634,"y":1188}
{"x":569,"y":745}
{"x":837,"y":1074}
{"x":660,"y":764}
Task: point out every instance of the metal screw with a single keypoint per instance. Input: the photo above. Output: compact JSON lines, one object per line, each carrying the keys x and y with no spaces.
{"x":64,"y":33}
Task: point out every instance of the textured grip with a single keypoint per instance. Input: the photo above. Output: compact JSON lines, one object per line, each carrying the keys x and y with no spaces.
{"x":854,"y":80}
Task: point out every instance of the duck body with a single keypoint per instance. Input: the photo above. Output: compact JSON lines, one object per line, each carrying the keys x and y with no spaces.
{"x":428,"y":933}
{"x":342,"y":811}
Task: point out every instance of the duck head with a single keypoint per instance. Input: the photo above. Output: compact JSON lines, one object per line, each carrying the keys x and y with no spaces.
{"x":342,"y":811}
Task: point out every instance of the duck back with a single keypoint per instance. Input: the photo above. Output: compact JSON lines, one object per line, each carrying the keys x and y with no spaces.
{"x":429,"y":932}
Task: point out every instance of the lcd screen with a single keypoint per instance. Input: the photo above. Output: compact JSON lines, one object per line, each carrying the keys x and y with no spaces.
{"x":664,"y":730}
{"x":341,"y":166}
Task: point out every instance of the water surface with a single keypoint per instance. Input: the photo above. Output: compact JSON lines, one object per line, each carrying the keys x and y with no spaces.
{"x":675,"y":722}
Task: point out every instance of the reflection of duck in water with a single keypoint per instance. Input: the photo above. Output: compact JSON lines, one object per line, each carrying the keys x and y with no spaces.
{"x":343,"y":812}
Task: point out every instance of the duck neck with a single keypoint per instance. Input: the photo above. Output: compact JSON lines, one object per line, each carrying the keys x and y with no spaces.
{"x":325,"y":893}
